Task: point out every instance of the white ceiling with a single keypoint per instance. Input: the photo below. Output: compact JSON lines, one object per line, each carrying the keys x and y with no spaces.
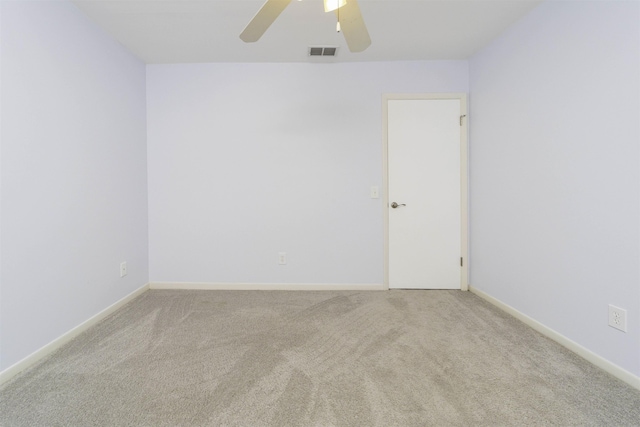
{"x":183,"y":31}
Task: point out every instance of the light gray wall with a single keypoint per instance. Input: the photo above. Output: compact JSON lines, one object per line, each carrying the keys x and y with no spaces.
{"x":73,"y":173}
{"x":1,"y":367}
{"x":555,"y":171}
{"x":248,"y":160}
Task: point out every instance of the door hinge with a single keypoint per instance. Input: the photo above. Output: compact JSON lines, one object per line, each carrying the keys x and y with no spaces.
{"x":462,"y":117}
{"x":460,"y":261}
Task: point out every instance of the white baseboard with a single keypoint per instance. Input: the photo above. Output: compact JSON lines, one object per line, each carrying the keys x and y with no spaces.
{"x":268,"y":286}
{"x":41,"y":353}
{"x":581,"y":351}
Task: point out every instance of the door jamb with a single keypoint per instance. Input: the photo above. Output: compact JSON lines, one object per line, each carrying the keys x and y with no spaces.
{"x":464,"y":177}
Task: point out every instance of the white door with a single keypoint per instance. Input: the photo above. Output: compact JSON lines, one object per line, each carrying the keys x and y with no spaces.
{"x":424,"y":193}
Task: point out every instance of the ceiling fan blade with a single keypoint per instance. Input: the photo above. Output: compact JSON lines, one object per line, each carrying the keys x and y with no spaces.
{"x":263,"y":19}
{"x":352,"y":26}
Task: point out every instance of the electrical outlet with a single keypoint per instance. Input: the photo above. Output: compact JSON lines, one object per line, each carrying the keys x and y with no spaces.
{"x":618,"y":318}
{"x":123,"y":269}
{"x":282,"y":258}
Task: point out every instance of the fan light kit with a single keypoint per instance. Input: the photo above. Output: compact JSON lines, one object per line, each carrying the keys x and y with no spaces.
{"x":330,"y":5}
{"x":350,"y":22}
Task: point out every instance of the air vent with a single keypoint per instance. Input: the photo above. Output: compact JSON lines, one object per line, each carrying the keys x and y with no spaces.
{"x":323,"y":51}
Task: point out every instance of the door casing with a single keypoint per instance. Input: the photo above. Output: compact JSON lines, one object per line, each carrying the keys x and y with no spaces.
{"x":464,"y":178}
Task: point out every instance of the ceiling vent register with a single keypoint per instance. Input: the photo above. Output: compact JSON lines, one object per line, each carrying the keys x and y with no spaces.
{"x":323,"y":51}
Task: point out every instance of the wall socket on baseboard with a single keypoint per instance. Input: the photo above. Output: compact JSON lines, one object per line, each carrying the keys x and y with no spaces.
{"x":618,"y":318}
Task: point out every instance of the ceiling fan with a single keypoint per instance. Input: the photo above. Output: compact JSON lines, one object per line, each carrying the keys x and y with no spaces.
{"x":350,"y":22}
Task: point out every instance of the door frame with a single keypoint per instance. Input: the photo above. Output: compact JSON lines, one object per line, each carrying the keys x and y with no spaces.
{"x":464,"y":176}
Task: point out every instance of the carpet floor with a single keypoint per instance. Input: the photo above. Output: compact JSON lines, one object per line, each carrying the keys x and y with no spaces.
{"x":272,"y":358}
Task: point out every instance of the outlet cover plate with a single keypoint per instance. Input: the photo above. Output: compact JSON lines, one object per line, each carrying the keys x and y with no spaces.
{"x":618,"y":318}
{"x":282,"y":258}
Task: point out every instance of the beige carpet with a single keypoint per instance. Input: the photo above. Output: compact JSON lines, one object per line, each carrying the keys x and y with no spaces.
{"x":251,"y":358}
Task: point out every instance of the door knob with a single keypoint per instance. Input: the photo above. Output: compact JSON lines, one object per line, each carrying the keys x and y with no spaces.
{"x":395,"y":205}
